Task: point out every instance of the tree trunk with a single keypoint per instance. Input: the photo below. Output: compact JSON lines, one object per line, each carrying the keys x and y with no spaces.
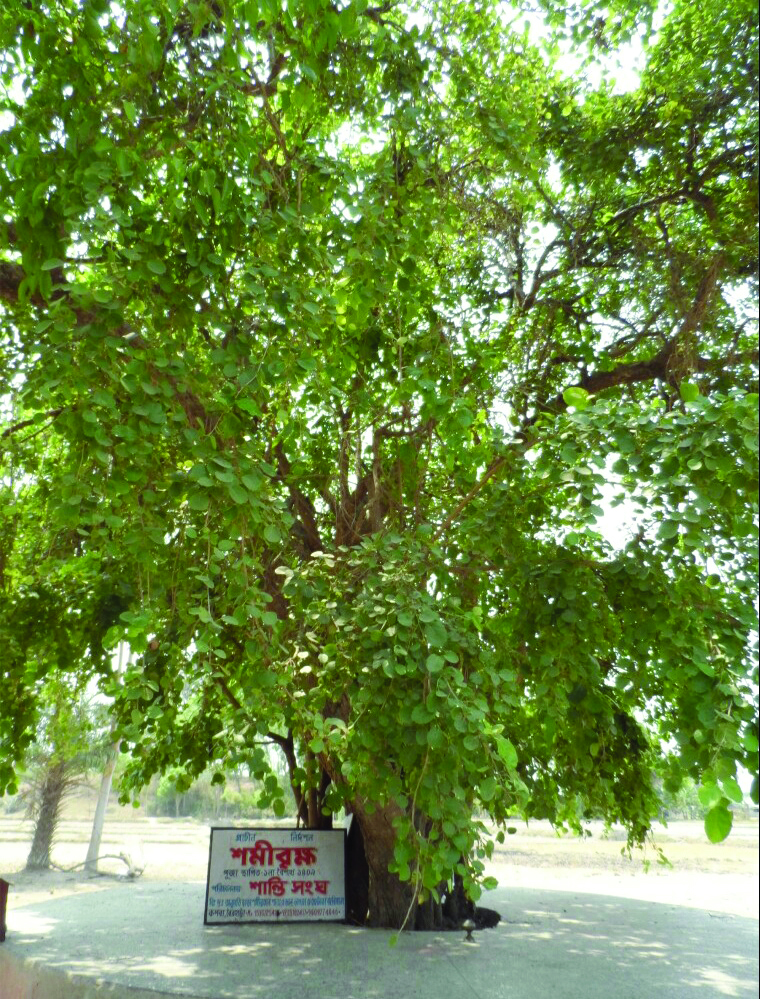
{"x":456,"y":907}
{"x":357,"y":875}
{"x":91,"y":863}
{"x":377,"y":898}
{"x":314,"y":800}
{"x":389,"y":900}
{"x":51,"y":791}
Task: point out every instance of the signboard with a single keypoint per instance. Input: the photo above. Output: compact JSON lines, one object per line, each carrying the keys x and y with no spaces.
{"x":275,"y":875}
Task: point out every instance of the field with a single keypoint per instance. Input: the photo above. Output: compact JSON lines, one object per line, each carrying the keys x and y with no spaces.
{"x":720,"y":877}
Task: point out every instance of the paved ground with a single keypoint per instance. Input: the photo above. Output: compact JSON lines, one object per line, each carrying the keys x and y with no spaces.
{"x":148,"y":939}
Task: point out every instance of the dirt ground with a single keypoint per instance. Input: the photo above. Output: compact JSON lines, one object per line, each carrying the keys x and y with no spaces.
{"x":722,"y":878}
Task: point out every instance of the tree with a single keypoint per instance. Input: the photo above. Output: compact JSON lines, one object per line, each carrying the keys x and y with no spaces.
{"x":345,"y":323}
{"x":104,"y":791}
{"x":57,"y":764}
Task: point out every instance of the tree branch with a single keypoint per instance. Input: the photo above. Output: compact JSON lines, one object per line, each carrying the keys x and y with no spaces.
{"x":269,"y":87}
{"x":302,"y":505}
{"x":658,"y":366}
{"x":51,"y":414}
{"x":489,"y":473}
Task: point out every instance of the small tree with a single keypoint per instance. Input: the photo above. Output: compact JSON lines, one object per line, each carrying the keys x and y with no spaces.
{"x":58,"y":764}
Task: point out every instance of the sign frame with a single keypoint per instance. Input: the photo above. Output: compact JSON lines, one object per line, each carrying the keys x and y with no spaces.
{"x":260,"y":833}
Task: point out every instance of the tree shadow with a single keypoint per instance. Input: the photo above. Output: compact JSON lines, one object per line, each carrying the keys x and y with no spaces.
{"x":549,"y":944}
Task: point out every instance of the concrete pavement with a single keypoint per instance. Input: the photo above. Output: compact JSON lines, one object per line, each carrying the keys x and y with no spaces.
{"x":145,"y":940}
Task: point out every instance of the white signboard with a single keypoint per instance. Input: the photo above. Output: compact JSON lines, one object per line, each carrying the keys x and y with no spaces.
{"x":275,"y":875}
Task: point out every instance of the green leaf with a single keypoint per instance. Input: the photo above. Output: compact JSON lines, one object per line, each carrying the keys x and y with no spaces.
{"x":52,"y":264}
{"x":252,"y":482}
{"x":157,"y":266}
{"x":732,"y":790}
{"x":435,"y":737}
{"x":668,"y":529}
{"x":435,"y":663}
{"x":487,"y":789}
{"x":718,"y":822}
{"x":709,"y":794}
{"x":507,"y":752}
{"x":689,"y":391}
{"x":576,"y":397}
{"x":248,"y":406}
{"x":272,"y":535}
{"x":436,"y":635}
{"x":237,"y":493}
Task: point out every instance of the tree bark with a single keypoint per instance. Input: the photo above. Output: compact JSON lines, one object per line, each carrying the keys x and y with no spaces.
{"x":51,"y":792}
{"x":357,"y":876}
{"x":390,"y":901}
{"x":91,"y":863}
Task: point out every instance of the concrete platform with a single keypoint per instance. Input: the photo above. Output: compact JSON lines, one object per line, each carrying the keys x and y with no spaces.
{"x":145,"y":940}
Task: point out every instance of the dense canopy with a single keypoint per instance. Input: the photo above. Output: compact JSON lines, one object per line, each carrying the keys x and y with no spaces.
{"x":331,"y":335}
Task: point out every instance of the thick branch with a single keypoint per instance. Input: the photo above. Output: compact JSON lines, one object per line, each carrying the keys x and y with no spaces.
{"x":303,"y":508}
{"x":11,"y":277}
{"x":626,"y":214}
{"x":659,"y":365}
{"x":286,"y":745}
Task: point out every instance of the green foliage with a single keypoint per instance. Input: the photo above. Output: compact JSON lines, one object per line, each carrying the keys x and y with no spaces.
{"x":71,"y":740}
{"x":334,"y":333}
{"x":209,"y":797}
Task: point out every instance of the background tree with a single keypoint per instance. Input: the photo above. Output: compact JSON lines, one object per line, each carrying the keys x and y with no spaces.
{"x":344,"y":323}
{"x":58,"y":763}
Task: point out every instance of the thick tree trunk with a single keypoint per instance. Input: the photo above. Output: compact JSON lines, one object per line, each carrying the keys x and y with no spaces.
{"x":357,"y":876}
{"x":314,"y":800}
{"x":389,"y":900}
{"x":377,"y":898}
{"x":52,"y":789}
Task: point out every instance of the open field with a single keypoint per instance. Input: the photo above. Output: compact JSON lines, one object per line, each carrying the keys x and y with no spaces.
{"x":719,"y":877}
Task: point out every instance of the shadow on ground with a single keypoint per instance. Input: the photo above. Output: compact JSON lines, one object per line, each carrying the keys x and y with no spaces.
{"x":549,"y":944}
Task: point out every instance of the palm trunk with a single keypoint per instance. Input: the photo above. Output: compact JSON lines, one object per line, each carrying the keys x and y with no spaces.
{"x":51,"y":795}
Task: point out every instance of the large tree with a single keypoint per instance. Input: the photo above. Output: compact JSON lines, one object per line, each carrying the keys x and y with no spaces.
{"x":344,"y":324}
